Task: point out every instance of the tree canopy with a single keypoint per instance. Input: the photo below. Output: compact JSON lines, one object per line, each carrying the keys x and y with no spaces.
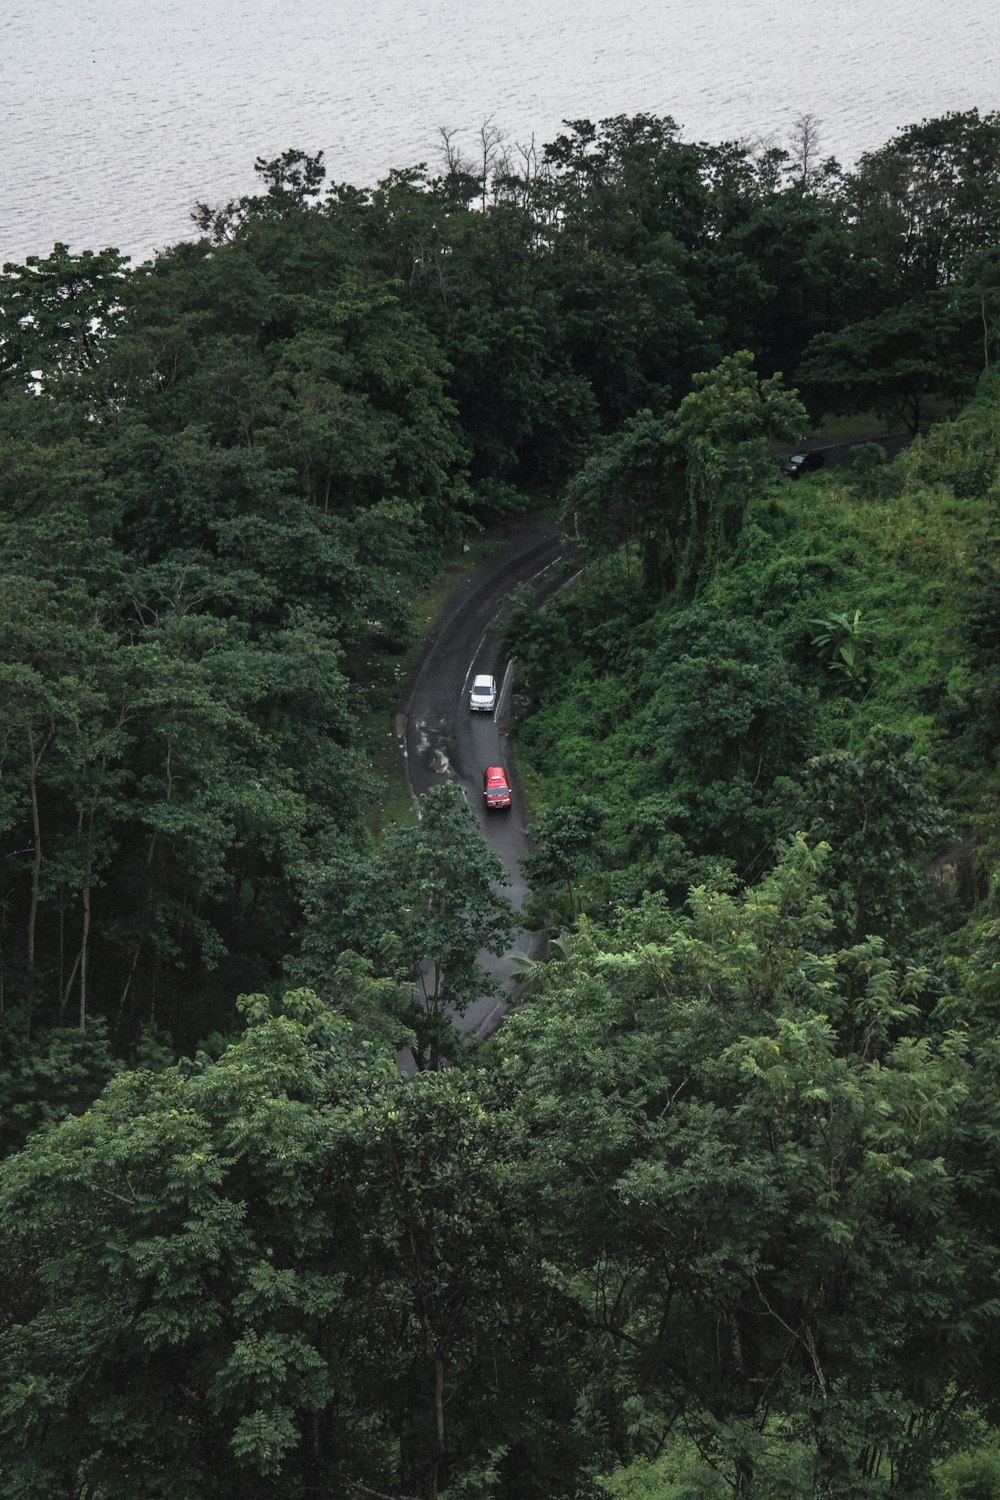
{"x":715,"y":1211}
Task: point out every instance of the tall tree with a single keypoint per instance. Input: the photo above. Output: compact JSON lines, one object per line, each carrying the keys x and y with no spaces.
{"x":722,"y":434}
{"x":893,"y":363}
{"x":57,"y":315}
{"x":928,"y":199}
{"x":759,"y":1223}
{"x":290,"y":1269}
{"x":423,"y":908}
{"x":875,"y":809}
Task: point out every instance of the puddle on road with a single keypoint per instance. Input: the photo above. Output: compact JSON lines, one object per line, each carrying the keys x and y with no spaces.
{"x":434,"y":756}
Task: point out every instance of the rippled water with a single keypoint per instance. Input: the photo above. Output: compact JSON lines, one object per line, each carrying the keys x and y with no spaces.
{"x":117,"y":115}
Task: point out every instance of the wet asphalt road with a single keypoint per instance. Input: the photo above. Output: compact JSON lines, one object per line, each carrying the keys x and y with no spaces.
{"x":839,"y":454}
{"x":445,"y":741}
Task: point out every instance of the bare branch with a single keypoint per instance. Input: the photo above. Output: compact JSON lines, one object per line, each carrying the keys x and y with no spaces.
{"x":804,"y":141}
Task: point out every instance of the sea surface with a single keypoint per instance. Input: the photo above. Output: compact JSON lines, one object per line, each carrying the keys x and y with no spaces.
{"x":117,"y":116}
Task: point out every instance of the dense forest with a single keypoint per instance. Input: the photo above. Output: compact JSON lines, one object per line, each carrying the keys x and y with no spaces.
{"x":717,"y":1210}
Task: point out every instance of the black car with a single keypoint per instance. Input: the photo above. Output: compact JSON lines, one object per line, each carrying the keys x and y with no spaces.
{"x":802,"y":463}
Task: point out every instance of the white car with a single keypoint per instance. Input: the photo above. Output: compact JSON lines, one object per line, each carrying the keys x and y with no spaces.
{"x":483,"y":695}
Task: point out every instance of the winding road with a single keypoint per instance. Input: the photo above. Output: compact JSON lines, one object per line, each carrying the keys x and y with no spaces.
{"x":444,"y":741}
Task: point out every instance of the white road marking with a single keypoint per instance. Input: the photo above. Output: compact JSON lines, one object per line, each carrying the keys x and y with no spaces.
{"x":492,"y":621}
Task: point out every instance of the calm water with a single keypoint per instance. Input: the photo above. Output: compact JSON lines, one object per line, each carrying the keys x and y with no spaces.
{"x":117,"y":115}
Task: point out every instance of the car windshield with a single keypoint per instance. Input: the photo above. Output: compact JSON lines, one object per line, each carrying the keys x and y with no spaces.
{"x":482,"y":690}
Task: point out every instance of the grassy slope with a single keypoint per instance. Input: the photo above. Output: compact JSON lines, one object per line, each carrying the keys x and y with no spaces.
{"x":809,"y":551}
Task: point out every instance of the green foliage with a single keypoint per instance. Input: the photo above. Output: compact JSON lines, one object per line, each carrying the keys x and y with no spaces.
{"x":680,"y":486}
{"x":568,"y":842}
{"x":841,"y":640}
{"x":48,"y":1075}
{"x":685,"y":723}
{"x":679,"y":1475}
{"x":202,"y":584}
{"x":927,"y":200}
{"x":627,"y":493}
{"x":724,"y":429}
{"x":874,"y":808}
{"x":971,"y":1476}
{"x":740,"y":1191}
{"x":58,"y":314}
{"x":224,"y":474}
{"x":892,"y":363}
{"x":283,"y":1268}
{"x":722,"y":1211}
{"x":418,"y":909}
{"x":681,"y":736}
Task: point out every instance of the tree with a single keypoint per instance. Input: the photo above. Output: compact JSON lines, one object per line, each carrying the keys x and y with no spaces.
{"x":928,"y":199}
{"x":185,"y":1380}
{"x":874,"y":808}
{"x":976,"y":297}
{"x":681,"y":484}
{"x":630,"y":177}
{"x":60,"y":754}
{"x":731,"y":719}
{"x":628,"y":491}
{"x":567,"y":844}
{"x":892,"y":363}
{"x":47,"y":1074}
{"x":422,"y":908}
{"x":58,"y":313}
{"x":805,"y":139}
{"x":722,"y":433}
{"x":357,"y":403}
{"x":759,"y":1224}
{"x":785,"y":271}
{"x":726,"y":702}
{"x":292,"y":179}
{"x":289,"y":1269}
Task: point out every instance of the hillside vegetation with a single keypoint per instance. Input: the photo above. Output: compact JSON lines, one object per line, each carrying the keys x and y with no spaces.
{"x":716,"y":1212}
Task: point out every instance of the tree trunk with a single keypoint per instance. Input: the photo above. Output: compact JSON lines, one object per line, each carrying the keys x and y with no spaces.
{"x":83,"y":957}
{"x":434,"y":1467}
{"x":150,"y":852}
{"x":744,"y":1474}
{"x":64,"y":993}
{"x":36,"y":832}
{"x":85,"y":899}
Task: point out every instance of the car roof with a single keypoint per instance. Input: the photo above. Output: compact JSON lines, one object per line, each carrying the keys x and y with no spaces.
{"x":495,"y":773}
{"x":483,"y":680}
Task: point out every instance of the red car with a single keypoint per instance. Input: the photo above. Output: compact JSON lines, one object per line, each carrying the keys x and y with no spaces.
{"x":496,"y":788}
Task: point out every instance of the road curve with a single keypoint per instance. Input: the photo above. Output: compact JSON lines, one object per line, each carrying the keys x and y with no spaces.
{"x":443,"y":741}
